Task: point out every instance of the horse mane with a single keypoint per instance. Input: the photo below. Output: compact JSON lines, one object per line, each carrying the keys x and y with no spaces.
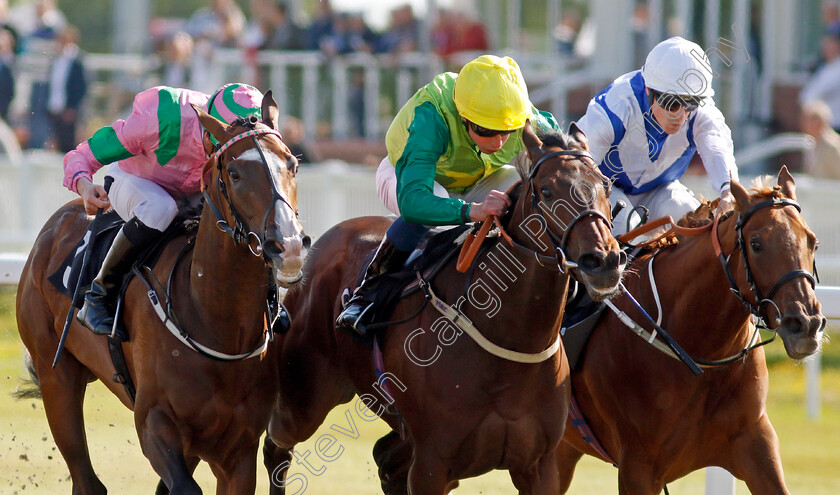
{"x":764,"y":185}
{"x":761,"y":186}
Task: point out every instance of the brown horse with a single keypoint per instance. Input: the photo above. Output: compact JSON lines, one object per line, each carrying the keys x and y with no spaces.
{"x":655,"y":419}
{"x":188,"y":406}
{"x":465,"y":409}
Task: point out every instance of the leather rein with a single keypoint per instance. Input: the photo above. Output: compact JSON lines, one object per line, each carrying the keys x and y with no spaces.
{"x":559,"y":258}
{"x":753,"y":309}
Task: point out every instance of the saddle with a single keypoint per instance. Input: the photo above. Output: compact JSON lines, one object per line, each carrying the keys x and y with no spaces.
{"x":579,"y":319}
{"x":98,"y":238}
{"x":433,"y":253}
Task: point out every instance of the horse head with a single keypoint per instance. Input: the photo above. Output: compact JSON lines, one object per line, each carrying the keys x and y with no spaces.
{"x":777,"y":249}
{"x":563,"y":209}
{"x":251,"y":176}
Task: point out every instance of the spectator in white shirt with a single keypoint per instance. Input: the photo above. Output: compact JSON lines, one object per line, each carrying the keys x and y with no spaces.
{"x":825,"y":83}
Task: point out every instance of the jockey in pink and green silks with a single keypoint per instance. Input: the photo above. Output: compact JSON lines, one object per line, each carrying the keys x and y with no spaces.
{"x":155,"y":155}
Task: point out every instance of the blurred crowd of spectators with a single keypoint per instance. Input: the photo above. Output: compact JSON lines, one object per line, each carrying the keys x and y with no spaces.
{"x":55,"y":97}
{"x":185,"y":47}
{"x":820,"y":100}
{"x":273,"y":27}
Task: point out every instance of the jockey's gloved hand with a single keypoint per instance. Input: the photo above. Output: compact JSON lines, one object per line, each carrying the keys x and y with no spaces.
{"x":727,"y":202}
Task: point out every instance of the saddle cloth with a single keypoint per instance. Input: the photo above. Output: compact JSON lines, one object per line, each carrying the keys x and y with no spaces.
{"x":100,"y":236}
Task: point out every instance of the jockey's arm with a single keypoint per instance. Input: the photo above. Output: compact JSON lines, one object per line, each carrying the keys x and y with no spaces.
{"x":714,"y":143}
{"x":416,"y":170}
{"x":118,"y":141}
{"x":599,"y":132}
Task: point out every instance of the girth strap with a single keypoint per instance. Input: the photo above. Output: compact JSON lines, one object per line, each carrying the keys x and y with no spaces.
{"x":579,"y":422}
{"x":498,"y":351}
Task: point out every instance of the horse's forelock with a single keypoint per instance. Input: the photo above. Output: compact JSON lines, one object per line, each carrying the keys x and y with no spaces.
{"x":559,"y":139}
{"x":763,"y":185}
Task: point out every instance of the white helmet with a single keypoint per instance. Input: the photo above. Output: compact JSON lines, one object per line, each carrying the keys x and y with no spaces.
{"x":678,"y":66}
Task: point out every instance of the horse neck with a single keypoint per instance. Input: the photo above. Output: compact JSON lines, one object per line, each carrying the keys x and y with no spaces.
{"x":523,"y":286}
{"x":722,"y":330}
{"x":226,"y":283}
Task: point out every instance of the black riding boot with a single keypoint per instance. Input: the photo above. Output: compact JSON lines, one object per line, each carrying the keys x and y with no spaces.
{"x":356,"y":315}
{"x":97,"y":313}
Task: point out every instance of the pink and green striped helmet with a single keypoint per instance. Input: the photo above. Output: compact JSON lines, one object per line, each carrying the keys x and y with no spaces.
{"x":235,"y":100}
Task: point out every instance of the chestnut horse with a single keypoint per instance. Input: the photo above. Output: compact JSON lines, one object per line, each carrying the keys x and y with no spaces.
{"x":188,"y":406}
{"x":655,"y":419}
{"x":466,"y":410}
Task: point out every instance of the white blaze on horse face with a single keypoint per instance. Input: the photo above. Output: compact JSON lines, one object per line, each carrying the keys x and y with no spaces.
{"x":288,"y":225}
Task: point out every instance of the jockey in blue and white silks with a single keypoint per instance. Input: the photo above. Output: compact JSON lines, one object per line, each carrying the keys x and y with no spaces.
{"x":646,"y":126}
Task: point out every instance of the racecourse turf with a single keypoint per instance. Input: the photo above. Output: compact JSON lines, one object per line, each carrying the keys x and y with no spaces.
{"x":30,"y":462}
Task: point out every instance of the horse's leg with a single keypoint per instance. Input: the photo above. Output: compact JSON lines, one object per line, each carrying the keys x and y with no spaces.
{"x":567,"y":459}
{"x":63,"y":392}
{"x":161,"y":489}
{"x":277,"y":461}
{"x":392,"y":455}
{"x":756,"y":459}
{"x":539,"y":479}
{"x":238,"y":477}
{"x":428,"y":473}
{"x":161,"y":444}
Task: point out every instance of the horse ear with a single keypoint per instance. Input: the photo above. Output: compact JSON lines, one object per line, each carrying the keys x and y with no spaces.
{"x":270,"y":112}
{"x":213,"y":125}
{"x":579,"y":135}
{"x":741,"y":195}
{"x":786,"y":181}
{"x":532,"y":143}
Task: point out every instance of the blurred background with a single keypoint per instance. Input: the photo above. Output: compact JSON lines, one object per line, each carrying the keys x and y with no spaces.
{"x":340,"y":70}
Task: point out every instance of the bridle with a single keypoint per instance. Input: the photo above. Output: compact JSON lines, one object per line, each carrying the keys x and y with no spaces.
{"x":755,"y":308}
{"x":558,"y":246}
{"x":239,"y":232}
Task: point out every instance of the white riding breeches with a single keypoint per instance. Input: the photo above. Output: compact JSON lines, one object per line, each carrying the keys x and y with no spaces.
{"x":386,"y":185}
{"x":132,"y":196}
{"x":669,"y":199}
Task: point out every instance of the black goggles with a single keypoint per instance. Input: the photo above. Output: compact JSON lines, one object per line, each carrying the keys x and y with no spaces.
{"x":485,"y":132}
{"x":671,"y":102}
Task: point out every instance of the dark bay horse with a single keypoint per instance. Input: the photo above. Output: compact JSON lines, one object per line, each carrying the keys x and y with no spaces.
{"x":188,"y":406}
{"x":655,"y":419}
{"x":464,"y":410}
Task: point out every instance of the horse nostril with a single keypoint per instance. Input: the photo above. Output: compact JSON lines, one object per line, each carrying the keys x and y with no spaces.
{"x":793,"y":324}
{"x":816,"y":325}
{"x":614,"y":260}
{"x":273,"y":249}
{"x":307,"y":241}
{"x":591,"y":261}
{"x":622,"y":259}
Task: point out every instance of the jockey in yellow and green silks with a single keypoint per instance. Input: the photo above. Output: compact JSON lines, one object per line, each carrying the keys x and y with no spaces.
{"x":449,"y":150}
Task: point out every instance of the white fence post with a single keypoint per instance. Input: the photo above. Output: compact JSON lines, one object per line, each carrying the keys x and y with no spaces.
{"x":812,"y":386}
{"x":719,"y":481}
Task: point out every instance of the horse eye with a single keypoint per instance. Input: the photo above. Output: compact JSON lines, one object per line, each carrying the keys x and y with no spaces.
{"x":546,"y":192}
{"x":234,"y":175}
{"x":755,"y":245}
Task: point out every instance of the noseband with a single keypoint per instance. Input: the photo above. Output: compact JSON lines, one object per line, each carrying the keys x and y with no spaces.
{"x":239,"y":232}
{"x":741,"y":245}
{"x":559,"y":245}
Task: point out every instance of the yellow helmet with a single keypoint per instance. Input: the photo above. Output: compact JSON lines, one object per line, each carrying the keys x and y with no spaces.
{"x":490,"y":91}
